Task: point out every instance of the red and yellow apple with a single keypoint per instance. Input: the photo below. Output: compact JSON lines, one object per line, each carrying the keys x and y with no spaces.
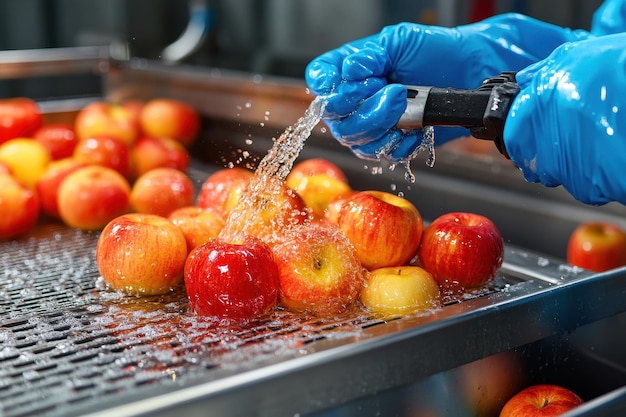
{"x":234,"y":195}
{"x":400,"y":290}
{"x":318,"y":181}
{"x":318,"y":269}
{"x":384,"y":228}
{"x":48,"y":184}
{"x":170,"y":118}
{"x":597,"y":246}
{"x":92,"y":196}
{"x":543,"y":400}
{"x":313,"y":166}
{"x":197,"y":224}
{"x":149,"y":153}
{"x":215,"y":190}
{"x":141,"y":254}
{"x":27,"y":159}
{"x":319,"y":190}
{"x":4,"y":168}
{"x":267,"y":210}
{"x":462,"y":250}
{"x":232,"y":280}
{"x":161,"y":191}
{"x":58,"y":138}
{"x":19,"y":207}
{"x":333,"y":208}
{"x":101,"y":118}
{"x":107,"y":151}
{"x":19,"y":117}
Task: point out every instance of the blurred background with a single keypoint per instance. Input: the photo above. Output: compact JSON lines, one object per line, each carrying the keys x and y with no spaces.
{"x":277,"y":37}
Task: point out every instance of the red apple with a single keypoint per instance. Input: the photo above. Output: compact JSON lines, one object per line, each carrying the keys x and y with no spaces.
{"x":48,"y":184}
{"x":170,"y":118}
{"x":26,"y":158}
{"x":597,"y":246}
{"x":266,"y":210}
{"x":92,"y":196}
{"x":217,"y":187}
{"x":313,"y":166}
{"x":542,"y":400}
{"x":58,"y":138}
{"x":107,"y":119}
{"x":197,"y":224}
{"x":462,"y":250}
{"x":399,"y":290}
{"x":19,"y":207}
{"x":107,"y":151}
{"x":19,"y":117}
{"x":232,"y":280}
{"x":384,"y":228}
{"x":161,"y":191}
{"x":148,"y":153}
{"x":141,"y":254}
{"x":318,"y":268}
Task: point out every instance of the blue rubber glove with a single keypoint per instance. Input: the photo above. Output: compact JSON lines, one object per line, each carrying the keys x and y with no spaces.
{"x":567,"y":126}
{"x":609,"y":18}
{"x":364,"y":79}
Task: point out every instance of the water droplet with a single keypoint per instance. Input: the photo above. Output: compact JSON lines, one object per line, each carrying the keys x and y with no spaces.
{"x":543,"y":262}
{"x":408,"y":175}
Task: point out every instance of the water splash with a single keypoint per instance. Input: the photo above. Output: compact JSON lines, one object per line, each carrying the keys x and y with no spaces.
{"x":426,"y":145}
{"x":280,"y":158}
{"x":261,"y":202}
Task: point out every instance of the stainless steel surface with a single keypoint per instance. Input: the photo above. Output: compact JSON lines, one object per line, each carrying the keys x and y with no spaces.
{"x":70,"y":347}
{"x":58,"y":61}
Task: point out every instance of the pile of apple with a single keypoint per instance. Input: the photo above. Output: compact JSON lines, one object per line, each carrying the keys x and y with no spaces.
{"x":317,"y":246}
{"x":106,"y":163}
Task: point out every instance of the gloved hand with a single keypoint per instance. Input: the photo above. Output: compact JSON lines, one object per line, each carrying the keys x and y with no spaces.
{"x":609,"y":18}
{"x":568,"y":123}
{"x":363,"y":79}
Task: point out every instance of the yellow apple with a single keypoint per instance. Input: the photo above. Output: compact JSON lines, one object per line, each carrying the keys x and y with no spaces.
{"x":400,"y":290}
{"x":27,"y":159}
